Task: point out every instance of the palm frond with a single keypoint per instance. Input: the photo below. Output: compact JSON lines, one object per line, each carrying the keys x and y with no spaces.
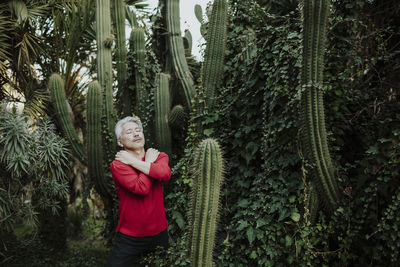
{"x":5,"y":25}
{"x":36,"y":99}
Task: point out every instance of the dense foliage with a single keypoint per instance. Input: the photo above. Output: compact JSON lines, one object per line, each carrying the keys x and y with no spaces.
{"x":34,"y":166}
{"x":263,"y":217}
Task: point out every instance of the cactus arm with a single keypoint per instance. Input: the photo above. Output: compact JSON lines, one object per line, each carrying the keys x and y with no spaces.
{"x":104,"y":69}
{"x":56,"y":85}
{"x":177,"y":117}
{"x":189,"y":38}
{"x":198,"y":12}
{"x":215,"y":50}
{"x":177,"y":50}
{"x":207,"y":181}
{"x":162,"y":106}
{"x":315,"y":17}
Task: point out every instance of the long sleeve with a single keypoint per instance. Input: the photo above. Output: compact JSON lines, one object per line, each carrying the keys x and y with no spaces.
{"x":128,"y":178}
{"x":159,"y":169}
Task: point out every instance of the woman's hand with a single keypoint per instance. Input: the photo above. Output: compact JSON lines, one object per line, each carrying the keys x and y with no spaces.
{"x":125,"y":157}
{"x":151,"y":155}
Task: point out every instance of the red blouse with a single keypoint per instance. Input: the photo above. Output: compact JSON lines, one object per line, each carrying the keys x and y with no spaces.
{"x":141,"y":208}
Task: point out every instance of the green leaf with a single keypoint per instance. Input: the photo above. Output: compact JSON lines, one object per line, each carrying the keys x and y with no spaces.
{"x":295,"y":216}
{"x":250,"y":234}
{"x":208,"y":132}
{"x":243,"y":203}
{"x":179,"y":219}
{"x":288,"y":241}
{"x":253,"y":255}
{"x":373,"y":150}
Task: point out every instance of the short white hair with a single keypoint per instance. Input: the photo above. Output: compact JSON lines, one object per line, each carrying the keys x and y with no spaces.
{"x":120,"y":123}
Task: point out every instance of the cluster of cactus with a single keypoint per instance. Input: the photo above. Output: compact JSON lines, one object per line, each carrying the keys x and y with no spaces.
{"x":208,"y":174}
{"x":101,"y":144}
{"x":97,"y":107}
{"x":314,"y":137}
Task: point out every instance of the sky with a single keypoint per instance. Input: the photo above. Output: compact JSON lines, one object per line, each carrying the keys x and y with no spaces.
{"x":188,"y":21}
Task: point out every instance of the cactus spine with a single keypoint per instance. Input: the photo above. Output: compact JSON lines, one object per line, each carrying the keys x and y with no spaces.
{"x":207,"y":179}
{"x":56,"y":85}
{"x":137,"y":38}
{"x":104,"y":67}
{"x":162,"y":106}
{"x":215,"y":50}
{"x":94,"y":139}
{"x":175,"y":44}
{"x":315,"y":17}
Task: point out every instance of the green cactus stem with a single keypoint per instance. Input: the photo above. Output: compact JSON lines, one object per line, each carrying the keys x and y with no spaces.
{"x":138,"y":41}
{"x":198,"y":12}
{"x":188,"y":42}
{"x":175,"y":44}
{"x":312,"y":202}
{"x":208,"y":172}
{"x":121,"y":52}
{"x":315,"y":145}
{"x":213,"y":68}
{"x":177,"y":117}
{"x":162,"y":106}
{"x":104,"y":70}
{"x":94,"y":138}
{"x":57,"y":90}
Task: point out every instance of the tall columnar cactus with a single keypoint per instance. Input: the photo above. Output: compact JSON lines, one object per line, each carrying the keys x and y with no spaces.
{"x":137,"y":39}
{"x":121,"y":52}
{"x":175,"y":44}
{"x":57,"y":90}
{"x":215,"y":51}
{"x":94,"y":138}
{"x":162,"y":106}
{"x":104,"y":69}
{"x":315,"y":145}
{"x":208,"y":172}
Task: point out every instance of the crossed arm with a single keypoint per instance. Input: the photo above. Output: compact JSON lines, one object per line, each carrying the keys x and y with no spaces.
{"x":142,"y":166}
{"x":139,"y":179}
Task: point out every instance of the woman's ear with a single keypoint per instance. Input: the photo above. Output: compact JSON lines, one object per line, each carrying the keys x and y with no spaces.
{"x":119,"y":143}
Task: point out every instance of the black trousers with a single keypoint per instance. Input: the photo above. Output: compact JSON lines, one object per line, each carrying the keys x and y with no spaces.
{"x":127,"y":249}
